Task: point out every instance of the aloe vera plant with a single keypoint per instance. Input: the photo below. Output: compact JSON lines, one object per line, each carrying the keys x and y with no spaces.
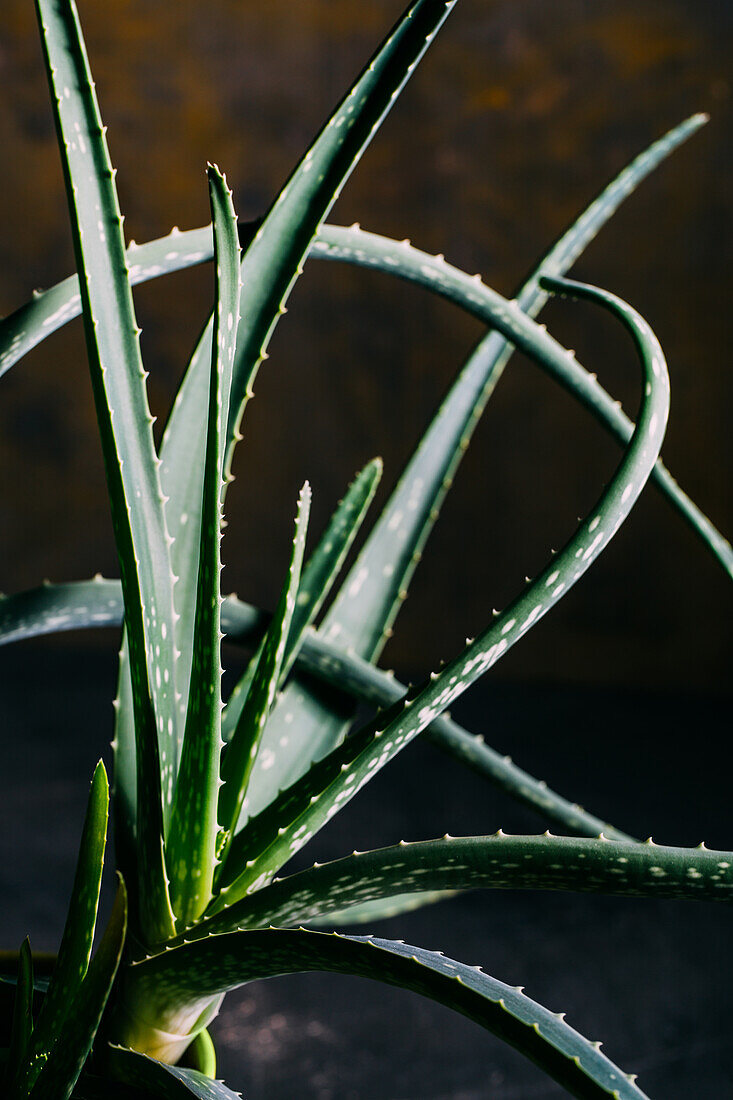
{"x":212,"y":797}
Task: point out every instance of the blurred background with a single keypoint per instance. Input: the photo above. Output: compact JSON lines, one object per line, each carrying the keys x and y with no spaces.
{"x":519,"y":114}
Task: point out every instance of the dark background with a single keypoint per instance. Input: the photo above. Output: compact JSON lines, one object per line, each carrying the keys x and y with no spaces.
{"x":518,"y":115}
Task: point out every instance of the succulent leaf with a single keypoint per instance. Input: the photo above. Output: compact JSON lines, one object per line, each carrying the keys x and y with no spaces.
{"x":75,"y":951}
{"x":61,"y":1071}
{"x":321,"y":569}
{"x":98,"y":603}
{"x":125,"y":423}
{"x":495,"y":862}
{"x":164,"y":1081}
{"x":271,"y":838}
{"x":368,"y":602}
{"x":225,"y":962}
{"x":240,"y":754}
{"x":21,"y":1031}
{"x":191,"y":843}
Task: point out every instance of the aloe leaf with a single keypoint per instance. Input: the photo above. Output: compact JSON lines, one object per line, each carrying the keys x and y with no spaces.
{"x":353,"y":676}
{"x":162,"y":1080}
{"x":51,"y":309}
{"x":363,"y":612}
{"x":130,"y":460}
{"x":318,"y":576}
{"x":241,"y":752}
{"x":76,"y":943}
{"x":274,"y":259}
{"x":91,"y":603}
{"x":270,"y":266}
{"x":201,"y":1054}
{"x":21,"y":1033}
{"x":43,"y":964}
{"x":52,"y":608}
{"x":383,"y":908}
{"x":479,"y":862}
{"x":76,"y":605}
{"x":191,"y":844}
{"x":224,"y":962}
{"x":325,"y":562}
{"x":269,"y":840}
{"x":48,"y":310}
{"x":74,"y":1039}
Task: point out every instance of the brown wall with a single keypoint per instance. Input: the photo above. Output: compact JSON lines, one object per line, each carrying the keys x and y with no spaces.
{"x":518,"y":116}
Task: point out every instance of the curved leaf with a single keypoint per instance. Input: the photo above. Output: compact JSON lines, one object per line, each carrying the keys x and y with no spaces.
{"x":365,"y":609}
{"x":93,"y":603}
{"x":270,"y":839}
{"x":479,"y":862}
{"x":164,"y":1081}
{"x":225,"y":962}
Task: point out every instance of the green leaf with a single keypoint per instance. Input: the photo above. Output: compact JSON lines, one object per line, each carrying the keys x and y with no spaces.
{"x":48,"y":310}
{"x":270,"y":266}
{"x":169,"y":1082}
{"x":274,"y":259}
{"x":51,"y":309}
{"x":191,"y":844}
{"x":242,"y":750}
{"x":365,"y":609}
{"x":21,"y":1033}
{"x":76,"y":943}
{"x":125,"y":423}
{"x":53,"y":608}
{"x":269,"y":840}
{"x":384,"y":908}
{"x":74,"y":1040}
{"x":319,"y":574}
{"x":91,"y":603}
{"x":225,"y":962}
{"x":320,"y":571}
{"x":546,"y":862}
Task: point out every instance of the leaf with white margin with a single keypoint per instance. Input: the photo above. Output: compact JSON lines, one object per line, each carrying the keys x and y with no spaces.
{"x":196,"y":970}
{"x":125,"y":425}
{"x":269,"y":840}
{"x":240,"y":754}
{"x":191,"y":840}
{"x":320,"y":571}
